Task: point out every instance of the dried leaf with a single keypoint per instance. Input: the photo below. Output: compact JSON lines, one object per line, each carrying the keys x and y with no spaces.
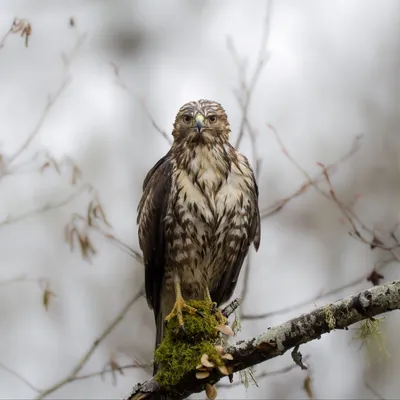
{"x":375,"y":277}
{"x":76,"y":175}
{"x":47,"y":294}
{"x":308,"y":387}
{"x":27,"y":32}
{"x":72,"y":233}
{"x":375,"y":243}
{"x":211,"y":392}
{"x":44,"y":166}
{"x":55,"y":165}
{"x":99,"y":208}
{"x":66,"y":233}
{"x":89,"y":213}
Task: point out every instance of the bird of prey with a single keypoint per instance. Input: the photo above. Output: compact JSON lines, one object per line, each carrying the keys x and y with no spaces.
{"x":198,"y":215}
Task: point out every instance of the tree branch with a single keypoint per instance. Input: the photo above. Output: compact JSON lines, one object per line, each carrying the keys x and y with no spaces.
{"x":279,"y":339}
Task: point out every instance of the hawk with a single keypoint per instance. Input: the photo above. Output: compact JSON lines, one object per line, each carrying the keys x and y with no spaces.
{"x":198,"y":215}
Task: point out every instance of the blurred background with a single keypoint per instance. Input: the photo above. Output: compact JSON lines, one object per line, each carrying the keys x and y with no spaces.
{"x":78,"y":105}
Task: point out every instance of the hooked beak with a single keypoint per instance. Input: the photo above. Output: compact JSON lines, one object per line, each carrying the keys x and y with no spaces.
{"x":199,"y":122}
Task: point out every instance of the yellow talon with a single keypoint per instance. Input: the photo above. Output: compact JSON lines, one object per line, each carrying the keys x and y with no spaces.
{"x":180,"y":306}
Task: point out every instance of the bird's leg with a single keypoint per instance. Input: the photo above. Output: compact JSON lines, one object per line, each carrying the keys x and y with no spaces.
{"x":214,"y":309}
{"x":180,"y":306}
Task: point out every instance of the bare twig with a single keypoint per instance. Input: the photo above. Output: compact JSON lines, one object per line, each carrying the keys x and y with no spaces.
{"x":278,"y":340}
{"x":350,"y":216}
{"x":373,"y":391}
{"x":51,"y":101}
{"x":310,"y":181}
{"x":154,"y":123}
{"x":319,"y":296}
{"x":231,"y":307}
{"x":47,"y":207}
{"x":108,"y":370}
{"x":120,"y":244}
{"x":21,"y":278}
{"x":72,"y":376}
{"x":247,"y":88}
{"x":266,"y":374}
{"x":95,"y":222}
{"x":120,"y":82}
{"x":18,"y":26}
{"x":20,"y":377}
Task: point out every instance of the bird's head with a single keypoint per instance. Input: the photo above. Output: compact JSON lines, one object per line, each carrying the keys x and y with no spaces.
{"x":201,"y":122}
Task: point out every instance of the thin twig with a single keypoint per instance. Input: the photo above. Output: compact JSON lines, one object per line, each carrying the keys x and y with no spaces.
{"x":154,"y":123}
{"x":120,"y":244}
{"x":82,"y":362}
{"x":20,"y":377}
{"x":247,"y":88}
{"x":51,"y":101}
{"x":21,"y":278}
{"x":266,"y":374}
{"x":107,"y":370}
{"x":123,"y":85}
{"x":301,"y":304}
{"x":42,"y":209}
{"x":373,"y":391}
{"x":346,"y":211}
{"x":310,"y":181}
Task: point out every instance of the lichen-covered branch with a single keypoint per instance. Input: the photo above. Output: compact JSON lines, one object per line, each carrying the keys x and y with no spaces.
{"x":279,"y":339}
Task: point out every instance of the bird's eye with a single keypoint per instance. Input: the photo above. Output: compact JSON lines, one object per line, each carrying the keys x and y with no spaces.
{"x":187,"y":119}
{"x":212,"y":119}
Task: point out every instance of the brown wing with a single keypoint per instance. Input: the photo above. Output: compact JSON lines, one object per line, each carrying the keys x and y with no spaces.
{"x":226,"y":286}
{"x":151,"y":216}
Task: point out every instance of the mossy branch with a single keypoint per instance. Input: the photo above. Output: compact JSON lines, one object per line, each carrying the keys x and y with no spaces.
{"x":279,"y":339}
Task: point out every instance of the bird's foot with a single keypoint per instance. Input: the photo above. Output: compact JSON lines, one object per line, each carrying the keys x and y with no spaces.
{"x":218,"y":314}
{"x":179,"y":307}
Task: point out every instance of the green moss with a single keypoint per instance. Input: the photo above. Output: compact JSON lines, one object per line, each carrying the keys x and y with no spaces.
{"x":371,"y":334}
{"x":247,"y":376}
{"x":181,"y":352}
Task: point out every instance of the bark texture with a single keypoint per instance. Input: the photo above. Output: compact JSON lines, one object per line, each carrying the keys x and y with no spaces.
{"x":277,"y":340}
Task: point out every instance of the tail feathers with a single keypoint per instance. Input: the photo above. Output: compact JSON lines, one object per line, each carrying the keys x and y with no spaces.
{"x":159,"y":335}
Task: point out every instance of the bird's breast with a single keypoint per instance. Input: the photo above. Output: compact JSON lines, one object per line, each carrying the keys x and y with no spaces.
{"x":210,"y":199}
